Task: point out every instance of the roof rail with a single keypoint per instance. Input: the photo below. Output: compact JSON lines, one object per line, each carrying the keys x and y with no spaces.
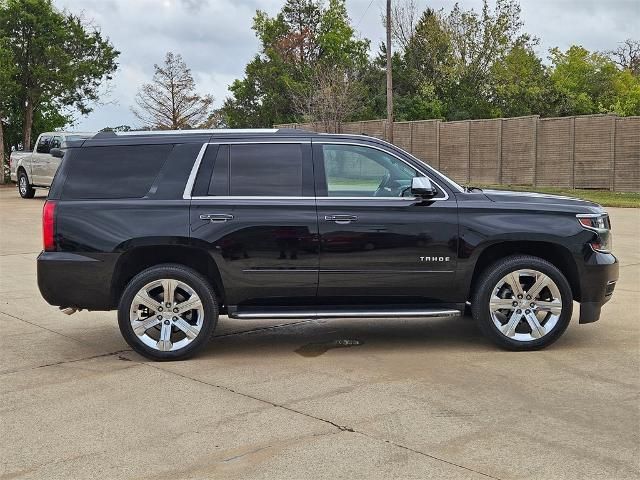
{"x":197,"y":131}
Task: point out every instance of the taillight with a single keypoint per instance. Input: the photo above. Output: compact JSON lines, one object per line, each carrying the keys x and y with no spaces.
{"x":49,"y":226}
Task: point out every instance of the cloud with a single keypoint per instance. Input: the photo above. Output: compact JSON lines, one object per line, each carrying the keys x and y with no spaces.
{"x":216,"y":41}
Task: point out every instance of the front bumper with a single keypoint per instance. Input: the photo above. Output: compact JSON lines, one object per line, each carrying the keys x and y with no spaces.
{"x":597,"y":282}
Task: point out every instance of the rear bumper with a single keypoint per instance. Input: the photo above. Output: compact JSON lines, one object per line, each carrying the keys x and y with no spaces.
{"x":72,"y":280}
{"x":597,"y":283}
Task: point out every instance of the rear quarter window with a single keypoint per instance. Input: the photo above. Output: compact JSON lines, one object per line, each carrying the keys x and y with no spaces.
{"x":113,"y":171}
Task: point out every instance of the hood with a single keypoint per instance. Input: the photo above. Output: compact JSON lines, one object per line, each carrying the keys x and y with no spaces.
{"x":540,"y":199}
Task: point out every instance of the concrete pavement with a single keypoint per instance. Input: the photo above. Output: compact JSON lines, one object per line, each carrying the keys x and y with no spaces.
{"x":272,"y":399}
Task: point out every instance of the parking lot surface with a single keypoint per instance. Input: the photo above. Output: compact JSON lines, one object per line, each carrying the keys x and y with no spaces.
{"x":390,"y":398}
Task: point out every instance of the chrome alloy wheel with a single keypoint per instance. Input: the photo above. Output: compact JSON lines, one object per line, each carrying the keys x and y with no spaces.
{"x":22,"y":183}
{"x":166,"y":314}
{"x":525,"y":305}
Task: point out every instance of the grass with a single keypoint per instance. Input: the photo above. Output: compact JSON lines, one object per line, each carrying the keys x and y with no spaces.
{"x":603,"y":197}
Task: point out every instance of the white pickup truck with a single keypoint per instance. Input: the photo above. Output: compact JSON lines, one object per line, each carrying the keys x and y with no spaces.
{"x":31,"y":170}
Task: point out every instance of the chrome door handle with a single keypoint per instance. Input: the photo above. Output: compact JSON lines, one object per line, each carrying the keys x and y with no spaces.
{"x":216,"y":217}
{"x":341,"y":219}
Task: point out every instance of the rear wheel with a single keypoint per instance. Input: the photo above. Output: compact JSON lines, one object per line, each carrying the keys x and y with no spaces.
{"x":25,"y":189}
{"x":168,"y":312}
{"x":522,"y":303}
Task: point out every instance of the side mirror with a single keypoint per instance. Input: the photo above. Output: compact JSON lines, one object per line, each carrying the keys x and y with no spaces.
{"x":57,"y":152}
{"x":422,"y":187}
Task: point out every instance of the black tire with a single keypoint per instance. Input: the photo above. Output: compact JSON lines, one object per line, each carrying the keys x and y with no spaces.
{"x":488,"y":281}
{"x":25,"y":189}
{"x":183,"y":274}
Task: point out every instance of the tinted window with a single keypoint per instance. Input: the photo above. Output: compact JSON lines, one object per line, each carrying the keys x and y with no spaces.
{"x":354,"y":171}
{"x":56,"y":142}
{"x":44,"y":145}
{"x":219,"y":184}
{"x":265,"y":170}
{"x":114,"y":172}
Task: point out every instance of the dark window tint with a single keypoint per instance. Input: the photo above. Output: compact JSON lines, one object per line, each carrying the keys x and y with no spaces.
{"x":114,"y":172}
{"x":56,"y":142}
{"x":219,"y":184}
{"x":266,"y":170}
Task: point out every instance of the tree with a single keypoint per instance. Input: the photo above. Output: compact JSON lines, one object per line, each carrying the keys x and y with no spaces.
{"x":332,"y":91}
{"x":332,"y":95}
{"x":447,"y":64}
{"x":585,"y":79}
{"x":7,"y":87}
{"x":170,"y":101}
{"x":60,"y":61}
{"x":288,"y":49}
{"x":298,"y":47}
{"x":521,"y":85}
{"x":627,"y":56}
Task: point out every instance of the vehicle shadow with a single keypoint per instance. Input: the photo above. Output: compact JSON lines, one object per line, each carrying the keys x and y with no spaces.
{"x":312,"y":338}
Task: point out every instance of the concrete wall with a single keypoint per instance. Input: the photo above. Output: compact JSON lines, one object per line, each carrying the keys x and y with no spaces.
{"x":591,"y":151}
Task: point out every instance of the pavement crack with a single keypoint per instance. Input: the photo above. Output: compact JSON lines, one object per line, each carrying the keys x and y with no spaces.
{"x":341,"y":428}
{"x":64,"y":362}
{"x":413,"y":450}
{"x":43,"y":328}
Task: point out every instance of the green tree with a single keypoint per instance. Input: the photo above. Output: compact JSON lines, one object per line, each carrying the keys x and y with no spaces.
{"x":586,"y":80}
{"x":60,"y":61}
{"x":448,"y":61}
{"x":7,"y":87}
{"x":303,"y":44}
{"x":521,"y":85}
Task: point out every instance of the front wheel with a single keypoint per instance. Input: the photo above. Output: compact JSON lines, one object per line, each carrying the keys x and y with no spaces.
{"x":25,"y":189}
{"x":168,"y":312}
{"x":522,"y":303}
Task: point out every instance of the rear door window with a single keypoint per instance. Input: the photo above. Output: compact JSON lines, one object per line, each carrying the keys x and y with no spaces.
{"x":265,"y":169}
{"x":114,"y":171}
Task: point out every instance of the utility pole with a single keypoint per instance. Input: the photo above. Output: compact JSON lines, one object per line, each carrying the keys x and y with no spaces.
{"x":389,"y":78}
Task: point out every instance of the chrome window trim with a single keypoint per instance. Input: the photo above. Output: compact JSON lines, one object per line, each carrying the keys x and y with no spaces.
{"x":257,"y":197}
{"x":365,"y":145}
{"x":196,"y":166}
{"x":188,"y":188}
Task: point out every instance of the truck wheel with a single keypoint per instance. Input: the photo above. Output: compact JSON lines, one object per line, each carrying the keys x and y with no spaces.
{"x":168,"y":312}
{"x":24,"y":187}
{"x":522,"y":303}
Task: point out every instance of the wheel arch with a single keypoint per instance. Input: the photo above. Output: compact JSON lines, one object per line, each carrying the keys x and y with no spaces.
{"x":137,"y":259}
{"x":555,"y":253}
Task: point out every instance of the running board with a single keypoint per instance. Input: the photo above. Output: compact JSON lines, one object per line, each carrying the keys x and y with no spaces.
{"x":342,"y":313}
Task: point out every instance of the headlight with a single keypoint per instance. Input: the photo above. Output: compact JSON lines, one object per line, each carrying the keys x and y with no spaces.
{"x":600,"y":224}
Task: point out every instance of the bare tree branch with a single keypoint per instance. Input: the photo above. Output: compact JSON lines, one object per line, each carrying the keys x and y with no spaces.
{"x":627,"y":56}
{"x":329,"y":98}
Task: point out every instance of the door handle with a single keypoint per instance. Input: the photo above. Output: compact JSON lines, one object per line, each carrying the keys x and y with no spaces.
{"x":216,"y":217}
{"x":341,"y":219}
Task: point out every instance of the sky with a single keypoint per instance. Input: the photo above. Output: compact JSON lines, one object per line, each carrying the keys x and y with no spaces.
{"x":216,"y":41}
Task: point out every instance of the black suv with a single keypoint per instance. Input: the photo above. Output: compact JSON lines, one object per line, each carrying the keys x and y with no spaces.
{"x":175,"y":228}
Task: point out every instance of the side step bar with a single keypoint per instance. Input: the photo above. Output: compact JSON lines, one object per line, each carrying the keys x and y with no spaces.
{"x":342,"y":313}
